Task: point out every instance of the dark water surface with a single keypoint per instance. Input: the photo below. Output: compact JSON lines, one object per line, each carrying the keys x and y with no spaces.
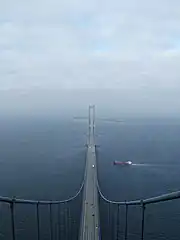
{"x":154,"y":148}
{"x":44,"y":159}
{"x":41,"y":158}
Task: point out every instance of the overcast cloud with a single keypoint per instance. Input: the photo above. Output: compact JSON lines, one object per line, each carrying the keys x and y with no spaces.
{"x":90,"y":44}
{"x":77,"y":44}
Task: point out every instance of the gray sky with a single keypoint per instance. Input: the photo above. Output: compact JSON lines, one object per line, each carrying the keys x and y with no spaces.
{"x":133,"y":46}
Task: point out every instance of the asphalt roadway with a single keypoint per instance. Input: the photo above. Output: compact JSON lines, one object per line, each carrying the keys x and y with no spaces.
{"x":90,"y":211}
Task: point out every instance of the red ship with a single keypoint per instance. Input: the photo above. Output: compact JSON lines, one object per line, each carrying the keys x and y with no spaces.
{"x":128,"y":163}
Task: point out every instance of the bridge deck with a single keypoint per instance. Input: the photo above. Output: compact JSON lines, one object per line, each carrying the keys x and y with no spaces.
{"x":90,"y":214}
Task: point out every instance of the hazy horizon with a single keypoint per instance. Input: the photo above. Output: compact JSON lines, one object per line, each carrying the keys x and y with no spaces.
{"x":109,"y":102}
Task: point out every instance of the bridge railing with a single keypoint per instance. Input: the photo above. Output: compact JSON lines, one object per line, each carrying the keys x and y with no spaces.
{"x":62,"y":218}
{"x":110,"y":224}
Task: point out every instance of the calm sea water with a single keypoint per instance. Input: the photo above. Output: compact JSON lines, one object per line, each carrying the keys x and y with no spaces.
{"x":41,"y":158}
{"x":154,"y":148}
{"x":44,"y":159}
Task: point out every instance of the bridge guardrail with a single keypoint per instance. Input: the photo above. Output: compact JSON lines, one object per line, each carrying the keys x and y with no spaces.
{"x":142,"y":203}
{"x":65,"y":211}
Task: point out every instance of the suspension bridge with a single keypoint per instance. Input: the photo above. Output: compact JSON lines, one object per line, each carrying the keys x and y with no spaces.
{"x":88,"y":215}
